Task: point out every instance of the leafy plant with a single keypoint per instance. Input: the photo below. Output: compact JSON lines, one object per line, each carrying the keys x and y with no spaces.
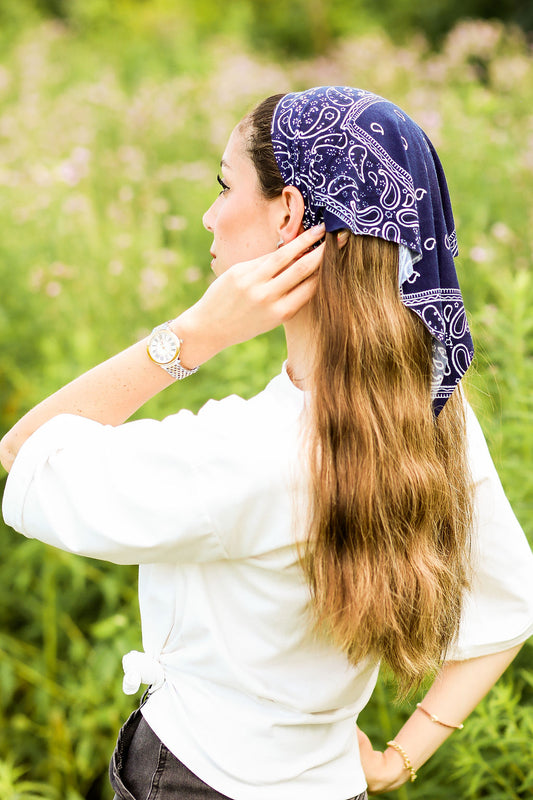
{"x":13,"y":786}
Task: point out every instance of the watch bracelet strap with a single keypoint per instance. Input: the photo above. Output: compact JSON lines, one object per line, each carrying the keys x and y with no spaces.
{"x":177,"y":371}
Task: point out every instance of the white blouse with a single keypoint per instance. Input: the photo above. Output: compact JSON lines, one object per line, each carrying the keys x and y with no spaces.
{"x":211,"y":507}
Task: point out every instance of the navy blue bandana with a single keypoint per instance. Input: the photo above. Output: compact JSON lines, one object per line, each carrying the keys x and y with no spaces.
{"x":361,"y":163}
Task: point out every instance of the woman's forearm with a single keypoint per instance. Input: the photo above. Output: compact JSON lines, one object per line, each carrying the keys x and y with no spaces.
{"x":456,"y":691}
{"x":108,"y":393}
{"x":112,"y":391}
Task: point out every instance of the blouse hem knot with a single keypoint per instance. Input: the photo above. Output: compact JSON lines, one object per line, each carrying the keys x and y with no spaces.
{"x":141,"y":668}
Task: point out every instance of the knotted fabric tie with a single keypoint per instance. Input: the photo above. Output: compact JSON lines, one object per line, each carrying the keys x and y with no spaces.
{"x":141,"y":668}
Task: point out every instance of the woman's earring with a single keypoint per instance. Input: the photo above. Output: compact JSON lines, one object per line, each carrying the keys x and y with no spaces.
{"x":280,"y":243}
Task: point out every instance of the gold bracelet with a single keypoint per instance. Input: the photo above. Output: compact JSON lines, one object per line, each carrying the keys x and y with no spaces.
{"x":406,"y":761}
{"x":434,"y":718}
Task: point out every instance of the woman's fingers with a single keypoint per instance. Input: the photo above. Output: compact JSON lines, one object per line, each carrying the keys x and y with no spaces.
{"x":281,"y":259}
{"x":365,"y":745}
{"x":298,"y":271}
{"x":293,"y":301}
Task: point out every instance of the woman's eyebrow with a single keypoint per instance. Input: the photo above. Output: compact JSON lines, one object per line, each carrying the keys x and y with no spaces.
{"x":225,"y":164}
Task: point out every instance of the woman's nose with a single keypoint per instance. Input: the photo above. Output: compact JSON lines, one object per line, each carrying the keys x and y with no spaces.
{"x":208,"y":219}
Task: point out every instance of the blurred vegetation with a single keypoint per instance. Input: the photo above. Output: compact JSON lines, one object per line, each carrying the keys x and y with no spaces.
{"x":113,"y":117}
{"x":294,"y":27}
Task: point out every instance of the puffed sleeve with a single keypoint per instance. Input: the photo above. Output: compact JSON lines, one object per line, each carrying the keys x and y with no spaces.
{"x":498,"y":609}
{"x":129,"y":494}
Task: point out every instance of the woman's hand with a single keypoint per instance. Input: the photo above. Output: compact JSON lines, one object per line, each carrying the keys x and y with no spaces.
{"x":383,"y":771}
{"x":251,"y":298}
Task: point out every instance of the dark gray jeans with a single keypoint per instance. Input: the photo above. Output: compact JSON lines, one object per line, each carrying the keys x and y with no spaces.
{"x":142,"y":768}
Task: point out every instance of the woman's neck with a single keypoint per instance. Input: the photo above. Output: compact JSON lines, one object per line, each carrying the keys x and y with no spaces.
{"x":299,"y":348}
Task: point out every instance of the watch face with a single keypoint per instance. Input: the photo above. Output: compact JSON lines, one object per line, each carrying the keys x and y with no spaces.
{"x":163,"y":347}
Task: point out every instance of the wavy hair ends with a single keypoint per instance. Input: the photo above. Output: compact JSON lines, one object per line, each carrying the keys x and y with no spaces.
{"x":387,"y":558}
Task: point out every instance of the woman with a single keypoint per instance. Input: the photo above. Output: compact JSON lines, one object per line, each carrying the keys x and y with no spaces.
{"x":348,"y":513}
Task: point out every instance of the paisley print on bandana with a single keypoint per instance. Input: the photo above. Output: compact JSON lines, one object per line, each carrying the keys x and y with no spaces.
{"x":361,"y":163}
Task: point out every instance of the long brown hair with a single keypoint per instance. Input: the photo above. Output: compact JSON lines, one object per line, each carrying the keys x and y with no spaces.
{"x":387,"y":557}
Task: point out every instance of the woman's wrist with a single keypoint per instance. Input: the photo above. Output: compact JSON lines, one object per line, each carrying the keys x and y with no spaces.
{"x":198,"y":342}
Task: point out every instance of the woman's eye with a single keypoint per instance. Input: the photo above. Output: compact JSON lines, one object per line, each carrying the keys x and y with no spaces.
{"x":221,"y":182}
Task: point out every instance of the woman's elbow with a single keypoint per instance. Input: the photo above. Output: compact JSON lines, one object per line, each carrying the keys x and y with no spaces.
{"x":7,"y":452}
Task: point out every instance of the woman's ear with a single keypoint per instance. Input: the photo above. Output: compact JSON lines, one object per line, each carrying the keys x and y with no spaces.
{"x":292,"y":207}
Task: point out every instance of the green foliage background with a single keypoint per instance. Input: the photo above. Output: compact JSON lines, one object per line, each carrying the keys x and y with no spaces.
{"x":113,"y":117}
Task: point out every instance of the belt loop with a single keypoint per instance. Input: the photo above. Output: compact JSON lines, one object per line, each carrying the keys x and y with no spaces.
{"x":145,"y":696}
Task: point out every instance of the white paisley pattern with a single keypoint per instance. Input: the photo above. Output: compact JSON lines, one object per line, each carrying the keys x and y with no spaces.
{"x":361,"y":163}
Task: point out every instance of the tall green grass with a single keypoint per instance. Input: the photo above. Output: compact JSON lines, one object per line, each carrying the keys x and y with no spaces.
{"x":109,"y":149}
